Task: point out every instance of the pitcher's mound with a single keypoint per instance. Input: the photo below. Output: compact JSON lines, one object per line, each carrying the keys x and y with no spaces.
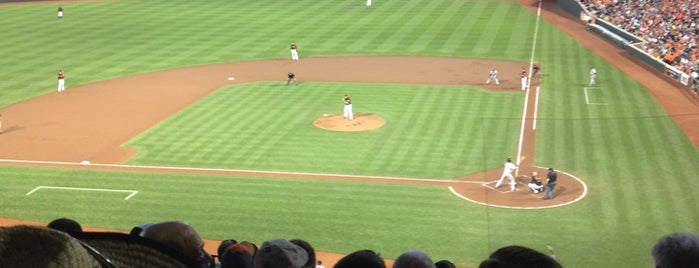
{"x":361,"y":122}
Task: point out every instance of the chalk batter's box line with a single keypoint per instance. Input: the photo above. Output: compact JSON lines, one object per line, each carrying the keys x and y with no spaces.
{"x":131,"y":192}
{"x":487,"y":185}
{"x":587,"y":97}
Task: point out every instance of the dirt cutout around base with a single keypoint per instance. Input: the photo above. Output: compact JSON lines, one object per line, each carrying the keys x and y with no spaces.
{"x":361,"y":122}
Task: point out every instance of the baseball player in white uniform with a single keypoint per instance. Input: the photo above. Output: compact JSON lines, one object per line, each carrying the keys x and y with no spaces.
{"x":492,"y":75}
{"x":294,"y":52}
{"x":368,"y":3}
{"x":61,"y":81}
{"x":593,"y":75}
{"x":348,"y":114}
{"x":524,"y":81}
{"x":507,"y":173}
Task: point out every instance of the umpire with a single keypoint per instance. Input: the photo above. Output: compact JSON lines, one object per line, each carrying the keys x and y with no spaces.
{"x":550,"y":184}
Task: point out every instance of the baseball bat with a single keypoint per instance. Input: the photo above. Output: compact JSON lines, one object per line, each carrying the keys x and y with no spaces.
{"x":518,"y":163}
{"x":521,"y":160}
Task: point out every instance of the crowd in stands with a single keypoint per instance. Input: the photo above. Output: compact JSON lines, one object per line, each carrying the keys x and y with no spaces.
{"x":672,"y":250}
{"x":670,"y":28}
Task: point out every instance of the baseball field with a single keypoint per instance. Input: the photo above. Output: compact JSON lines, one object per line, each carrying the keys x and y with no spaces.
{"x":180,"y":110}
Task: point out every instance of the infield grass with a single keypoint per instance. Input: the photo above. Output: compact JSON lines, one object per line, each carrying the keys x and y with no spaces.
{"x":638,"y":165}
{"x":430,"y":131}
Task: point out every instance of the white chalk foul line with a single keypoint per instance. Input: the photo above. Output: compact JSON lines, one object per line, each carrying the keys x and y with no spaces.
{"x":252,"y":172}
{"x":587,"y":97}
{"x":131,"y":192}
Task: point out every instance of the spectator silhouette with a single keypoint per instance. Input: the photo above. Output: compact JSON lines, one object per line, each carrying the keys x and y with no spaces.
{"x":65,"y":225}
{"x":238,"y":255}
{"x":676,"y":250}
{"x":361,"y":259}
{"x":280,"y":253}
{"x":413,"y":259}
{"x":311,"y":262}
{"x":444,"y":264}
{"x":179,"y":236}
{"x":519,"y":257}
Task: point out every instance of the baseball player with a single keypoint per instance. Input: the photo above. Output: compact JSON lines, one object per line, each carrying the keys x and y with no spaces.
{"x":535,"y":185}
{"x":492,"y":75}
{"x":348,"y":114}
{"x":535,"y":71}
{"x":368,"y":3}
{"x":294,"y":52}
{"x":61,"y":81}
{"x":292,"y":77}
{"x":507,"y":173}
{"x":60,"y":12}
{"x":593,"y":75}
{"x":524,"y":81}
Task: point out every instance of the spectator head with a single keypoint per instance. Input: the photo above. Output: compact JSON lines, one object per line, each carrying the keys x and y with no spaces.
{"x":65,"y":225}
{"x":280,"y":253}
{"x":444,"y":264}
{"x":224,"y":245}
{"x":676,"y":250}
{"x":311,"y":262}
{"x":179,"y":236}
{"x":361,"y":259}
{"x":413,"y":259}
{"x":138,"y":230}
{"x":519,"y":257}
{"x":238,"y":255}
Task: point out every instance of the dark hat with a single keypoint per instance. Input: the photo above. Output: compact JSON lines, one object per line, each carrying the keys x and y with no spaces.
{"x":238,"y":255}
{"x":224,"y":245}
{"x":550,"y":169}
{"x":280,"y":253}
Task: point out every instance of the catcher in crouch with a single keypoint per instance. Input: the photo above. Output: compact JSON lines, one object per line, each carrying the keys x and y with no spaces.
{"x":535,"y":185}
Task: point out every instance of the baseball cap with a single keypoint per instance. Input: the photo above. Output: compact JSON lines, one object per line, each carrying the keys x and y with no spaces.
{"x":280,"y":253}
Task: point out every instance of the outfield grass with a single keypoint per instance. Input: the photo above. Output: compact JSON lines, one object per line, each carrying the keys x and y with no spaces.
{"x":638,"y":164}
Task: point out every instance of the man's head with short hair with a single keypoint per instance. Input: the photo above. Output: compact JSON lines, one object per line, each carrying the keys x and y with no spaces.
{"x":444,"y":264}
{"x":178,"y":235}
{"x":364,"y":258}
{"x":519,"y":257}
{"x":413,"y":259}
{"x":676,"y":250}
{"x":65,"y":225}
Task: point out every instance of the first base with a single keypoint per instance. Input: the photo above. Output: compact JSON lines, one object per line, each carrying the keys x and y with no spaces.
{"x":231,"y":78}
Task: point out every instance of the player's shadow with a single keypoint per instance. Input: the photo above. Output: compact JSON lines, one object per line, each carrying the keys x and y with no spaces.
{"x":10,"y":129}
{"x":559,"y":190}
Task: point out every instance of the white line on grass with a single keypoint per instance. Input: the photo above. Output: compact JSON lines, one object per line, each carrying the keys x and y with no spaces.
{"x":587,"y":98}
{"x":536,"y":108}
{"x":279,"y":173}
{"x":526,"y":99}
{"x":132,"y":192}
